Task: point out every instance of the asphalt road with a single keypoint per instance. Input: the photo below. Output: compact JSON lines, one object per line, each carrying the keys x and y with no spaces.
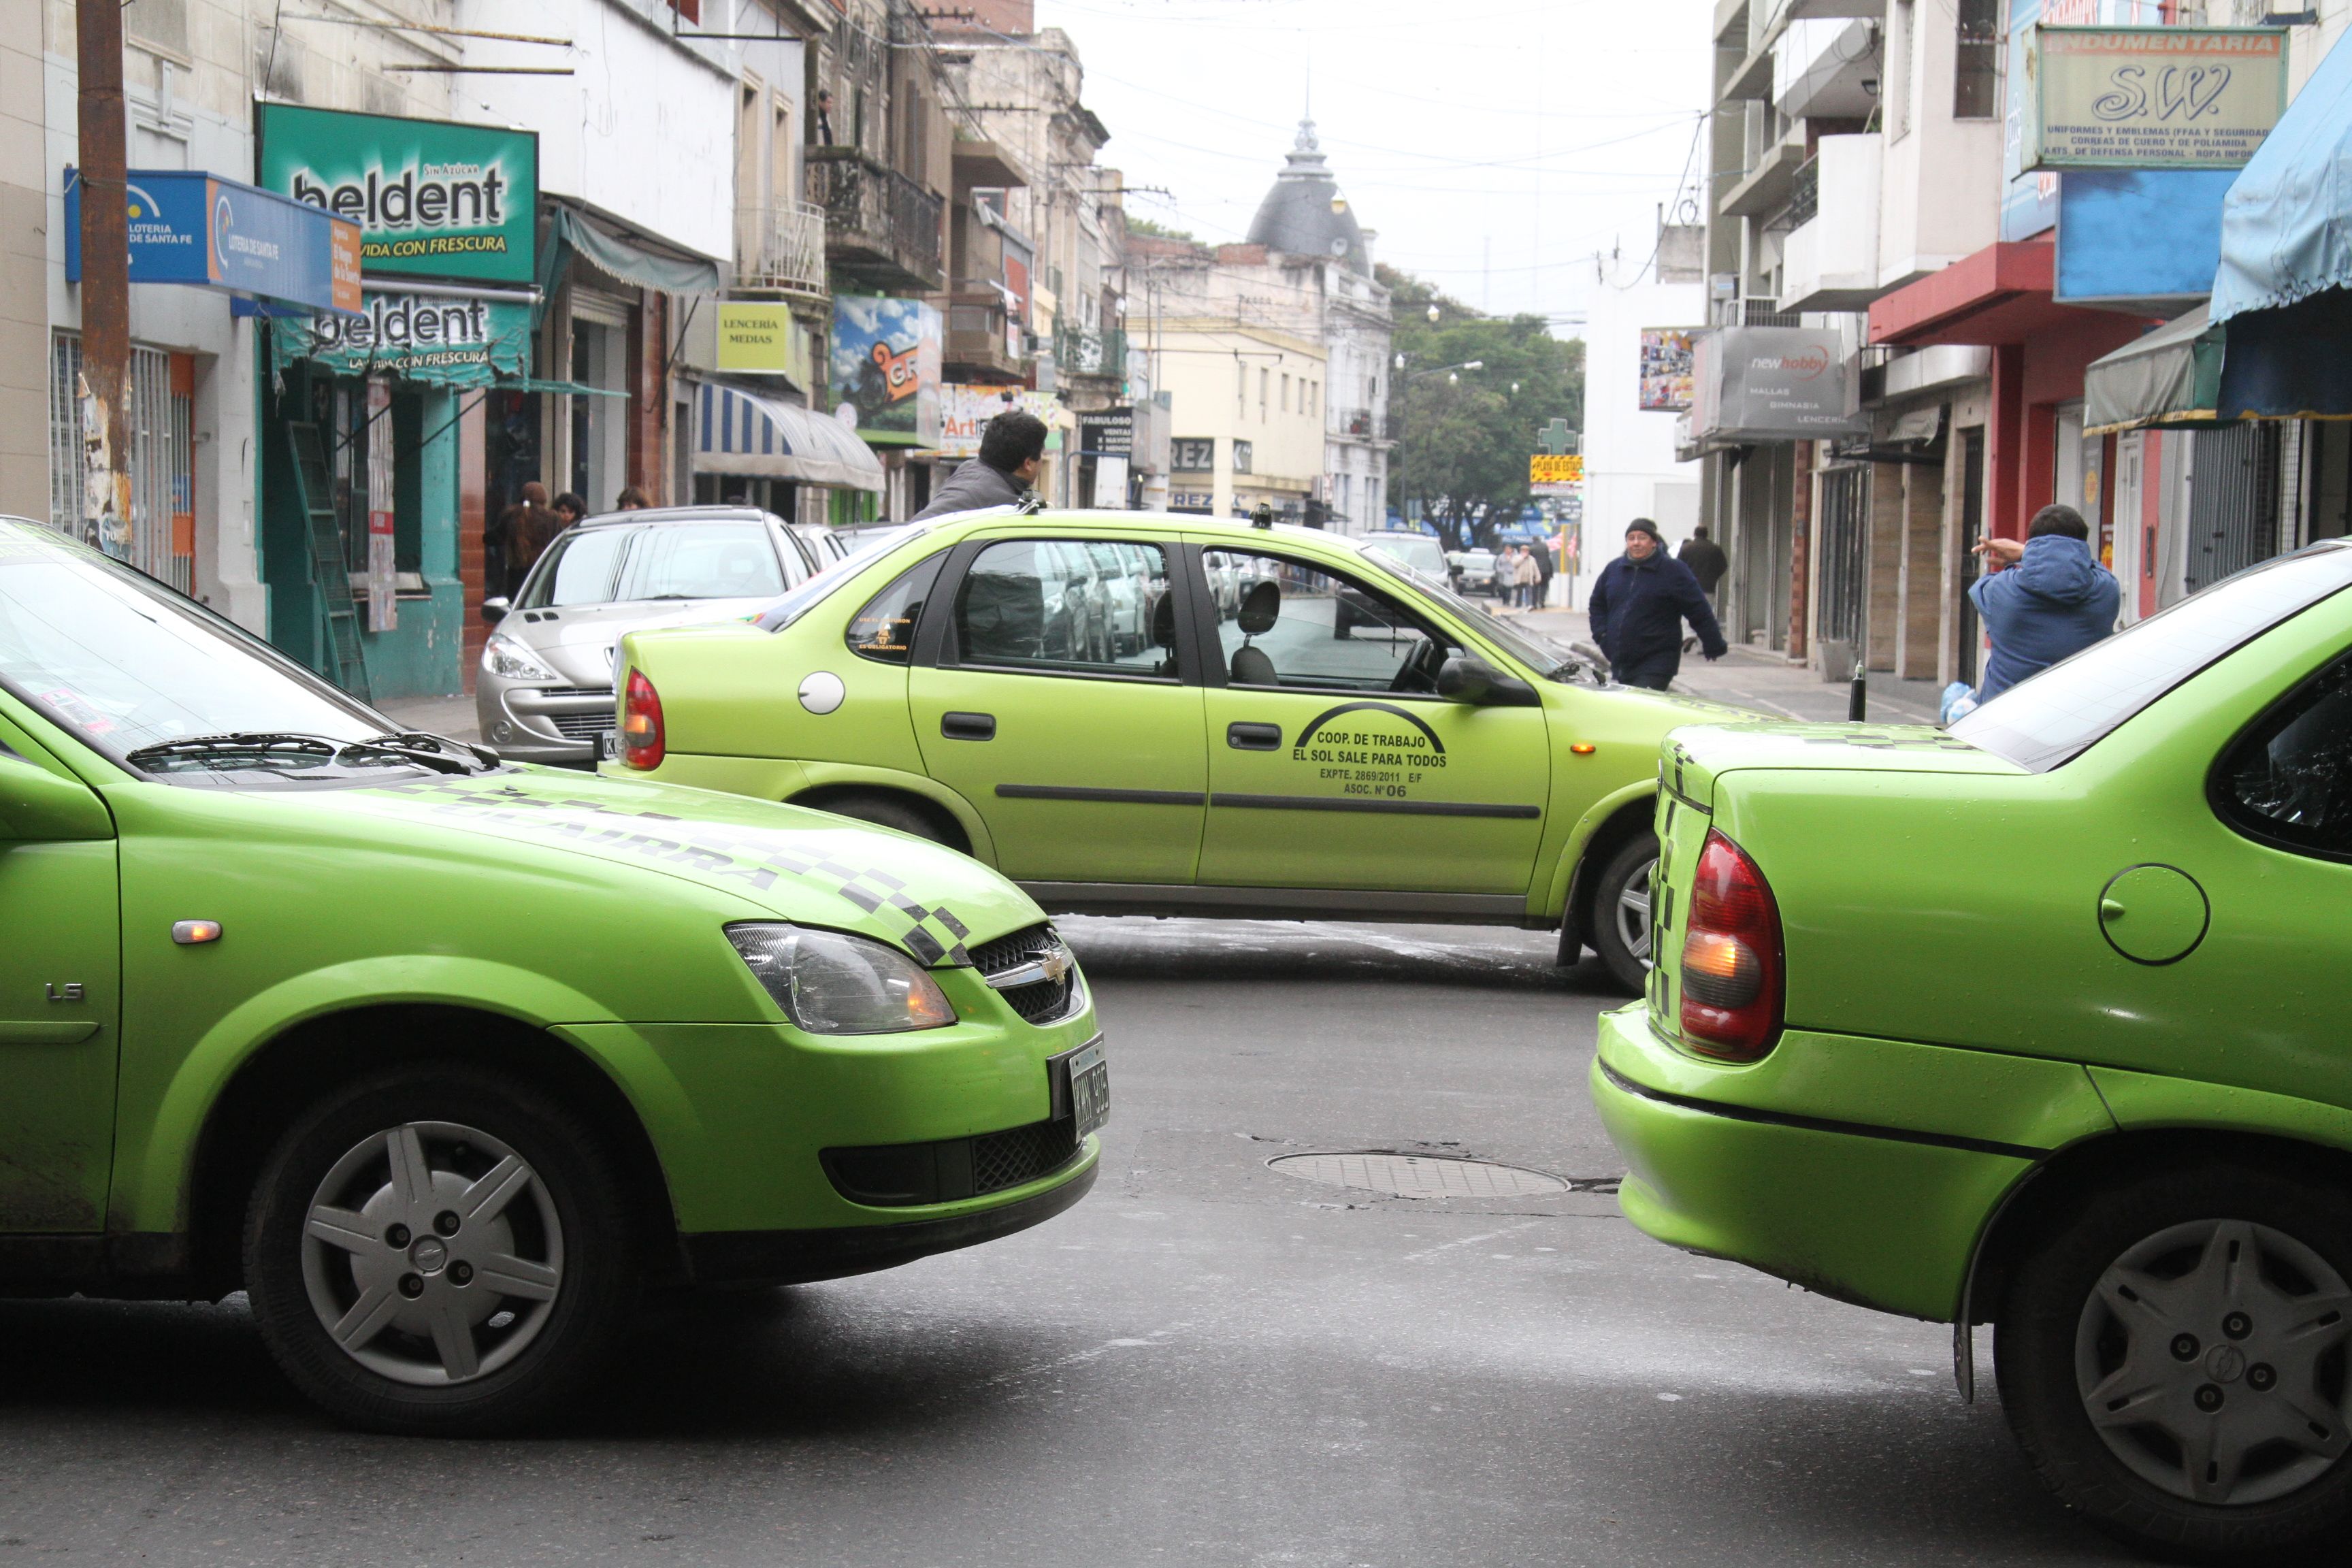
{"x":1207,"y":1362}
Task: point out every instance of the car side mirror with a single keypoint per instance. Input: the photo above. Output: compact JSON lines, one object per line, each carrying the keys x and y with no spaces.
{"x":39,"y":807}
{"x":1467,"y":678}
{"x":496,"y":610}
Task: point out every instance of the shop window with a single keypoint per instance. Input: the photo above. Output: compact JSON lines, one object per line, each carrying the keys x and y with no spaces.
{"x":1244,"y":456}
{"x":162,"y":537}
{"x":408,"y":490}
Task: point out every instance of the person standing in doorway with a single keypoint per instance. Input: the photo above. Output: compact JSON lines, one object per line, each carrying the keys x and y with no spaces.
{"x":1544,"y":570}
{"x":1012,"y":452}
{"x":1638,"y":606}
{"x":1523,"y":577}
{"x":522,"y":532}
{"x":1706,"y":559}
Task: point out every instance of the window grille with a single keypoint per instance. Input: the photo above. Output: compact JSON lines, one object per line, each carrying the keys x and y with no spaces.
{"x":162,"y":453}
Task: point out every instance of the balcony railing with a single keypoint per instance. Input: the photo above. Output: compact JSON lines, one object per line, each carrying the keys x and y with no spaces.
{"x":1358,"y":422}
{"x":880,"y":227}
{"x":1804,"y":194}
{"x":784,"y":248}
{"x":1077,"y":351}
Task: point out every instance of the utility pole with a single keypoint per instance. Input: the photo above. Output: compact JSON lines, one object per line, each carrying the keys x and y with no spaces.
{"x":105,"y":281}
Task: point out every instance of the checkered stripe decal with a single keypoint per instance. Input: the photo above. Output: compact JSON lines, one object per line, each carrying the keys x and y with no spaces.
{"x":758,"y":856}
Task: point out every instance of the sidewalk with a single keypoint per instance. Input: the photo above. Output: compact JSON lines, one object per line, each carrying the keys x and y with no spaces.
{"x":1755,"y":678}
{"x":450,"y":716}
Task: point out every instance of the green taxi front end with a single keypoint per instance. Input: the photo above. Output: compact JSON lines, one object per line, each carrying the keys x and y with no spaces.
{"x":1152,"y":715}
{"x":2039,"y":1022}
{"x":443,"y":1058}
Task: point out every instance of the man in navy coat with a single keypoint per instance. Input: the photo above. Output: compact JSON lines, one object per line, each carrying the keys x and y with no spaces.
{"x":1638,"y":607}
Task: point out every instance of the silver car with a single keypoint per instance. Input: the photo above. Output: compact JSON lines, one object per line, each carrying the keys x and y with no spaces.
{"x":544,"y":694}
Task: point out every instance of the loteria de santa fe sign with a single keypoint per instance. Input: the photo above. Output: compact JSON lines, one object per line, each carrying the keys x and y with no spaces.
{"x":2150,"y":97}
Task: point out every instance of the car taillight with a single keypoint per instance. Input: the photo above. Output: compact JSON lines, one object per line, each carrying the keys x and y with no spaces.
{"x":1733,"y":968}
{"x":641,"y":723}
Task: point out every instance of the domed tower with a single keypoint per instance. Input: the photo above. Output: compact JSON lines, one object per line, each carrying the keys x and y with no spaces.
{"x":1304,"y":214}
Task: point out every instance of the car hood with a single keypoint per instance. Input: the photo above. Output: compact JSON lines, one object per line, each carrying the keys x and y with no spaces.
{"x":787,"y":861}
{"x":578,"y":641}
{"x":1694,"y":757}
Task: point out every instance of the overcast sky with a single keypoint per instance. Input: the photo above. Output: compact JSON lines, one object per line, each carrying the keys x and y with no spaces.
{"x":1495,"y":144}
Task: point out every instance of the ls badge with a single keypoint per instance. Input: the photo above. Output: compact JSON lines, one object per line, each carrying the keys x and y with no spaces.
{"x":71,"y":991}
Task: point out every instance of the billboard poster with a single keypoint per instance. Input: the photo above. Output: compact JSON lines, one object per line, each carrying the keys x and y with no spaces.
{"x":2150,"y":97}
{"x":1666,"y":367}
{"x":965,"y":409}
{"x":432,"y":198}
{"x":885,"y":364}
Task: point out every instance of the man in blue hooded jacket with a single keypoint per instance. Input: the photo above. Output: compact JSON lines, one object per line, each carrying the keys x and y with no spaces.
{"x":2046,"y":600}
{"x":1638,"y":607}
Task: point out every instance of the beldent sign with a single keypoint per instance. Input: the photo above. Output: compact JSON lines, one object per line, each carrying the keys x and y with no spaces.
{"x":432,"y":198}
{"x":2150,"y":97}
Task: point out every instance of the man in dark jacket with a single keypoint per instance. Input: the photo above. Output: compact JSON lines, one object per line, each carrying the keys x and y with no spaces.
{"x":1012,"y":450}
{"x":1705,"y":558}
{"x":1638,"y":607}
{"x":2044,"y":600}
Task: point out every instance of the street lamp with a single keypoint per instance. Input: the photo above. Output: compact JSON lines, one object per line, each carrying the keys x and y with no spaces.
{"x":1433,"y":315}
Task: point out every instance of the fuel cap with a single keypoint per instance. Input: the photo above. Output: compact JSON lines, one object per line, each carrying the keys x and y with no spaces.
{"x":2154,"y":915}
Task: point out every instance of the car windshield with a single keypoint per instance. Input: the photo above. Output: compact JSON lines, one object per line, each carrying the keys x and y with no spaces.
{"x":162,"y":685}
{"x":863,"y":546}
{"x":616,"y":565}
{"x":2056,"y":716}
{"x":1552,"y":660}
{"x":1418,"y":551}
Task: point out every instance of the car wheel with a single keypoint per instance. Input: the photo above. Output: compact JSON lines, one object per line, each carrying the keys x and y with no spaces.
{"x":884,"y":811}
{"x":440,"y":1251}
{"x":1621,"y":913}
{"x":2173,"y":1357}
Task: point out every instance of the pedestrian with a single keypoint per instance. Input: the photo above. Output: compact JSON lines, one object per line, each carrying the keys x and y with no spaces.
{"x":2043,"y":599}
{"x":569,"y":509}
{"x":1706,"y":559}
{"x":1544,"y":570}
{"x":1638,"y":606}
{"x":1525,"y":576}
{"x":523,"y":530}
{"x":1012,"y":450}
{"x":633,"y":499}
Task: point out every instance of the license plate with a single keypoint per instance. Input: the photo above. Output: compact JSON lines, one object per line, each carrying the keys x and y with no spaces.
{"x":1090,"y":1089}
{"x":608,"y":745}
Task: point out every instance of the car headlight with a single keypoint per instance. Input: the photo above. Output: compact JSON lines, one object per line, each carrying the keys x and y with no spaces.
{"x":829,"y":983}
{"x":510,"y":659}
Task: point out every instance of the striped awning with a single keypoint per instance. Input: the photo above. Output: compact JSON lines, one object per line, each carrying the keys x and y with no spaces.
{"x":742,"y":433}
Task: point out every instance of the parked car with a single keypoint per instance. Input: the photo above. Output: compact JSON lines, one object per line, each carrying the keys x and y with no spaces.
{"x":1306,"y":730}
{"x":1421,"y":552}
{"x":820,"y":545}
{"x":438,"y":1058}
{"x":2039,"y":1022}
{"x":544,"y":692}
{"x":1475,"y":572}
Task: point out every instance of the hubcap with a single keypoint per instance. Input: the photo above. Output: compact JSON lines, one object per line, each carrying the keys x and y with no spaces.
{"x":432,"y":1254}
{"x":1633,"y":912}
{"x":2210,"y":1360}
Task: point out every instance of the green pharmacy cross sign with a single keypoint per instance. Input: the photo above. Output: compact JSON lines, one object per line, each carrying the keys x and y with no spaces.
{"x":1557,"y":438}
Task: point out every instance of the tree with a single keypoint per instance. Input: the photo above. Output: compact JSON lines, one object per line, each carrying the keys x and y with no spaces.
{"x":1136,"y":224}
{"x":1466,"y":435}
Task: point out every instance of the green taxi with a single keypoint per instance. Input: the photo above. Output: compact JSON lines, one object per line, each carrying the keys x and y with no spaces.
{"x":440,"y":1059}
{"x":1157,"y":714}
{"x":2043,"y":1021}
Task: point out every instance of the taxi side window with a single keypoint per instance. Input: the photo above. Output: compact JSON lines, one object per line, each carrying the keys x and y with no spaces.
{"x":884,"y":628}
{"x":1068,"y":606}
{"x":1285,"y":624}
{"x":2288,"y":780}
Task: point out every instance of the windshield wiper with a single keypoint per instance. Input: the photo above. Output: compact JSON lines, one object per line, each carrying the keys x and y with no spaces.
{"x":264,"y":743}
{"x":438,"y":750}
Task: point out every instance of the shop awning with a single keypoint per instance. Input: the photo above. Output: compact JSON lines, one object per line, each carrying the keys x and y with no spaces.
{"x":745,"y":434}
{"x":2294,"y":362}
{"x":2170,"y":376}
{"x":570,"y":234}
{"x":2286,"y":225}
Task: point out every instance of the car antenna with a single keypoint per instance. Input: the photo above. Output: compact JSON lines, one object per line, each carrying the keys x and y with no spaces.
{"x":1264,"y":516}
{"x":1030,"y":506}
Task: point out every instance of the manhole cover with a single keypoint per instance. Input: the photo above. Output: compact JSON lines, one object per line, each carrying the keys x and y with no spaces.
{"x":1419,"y":1176}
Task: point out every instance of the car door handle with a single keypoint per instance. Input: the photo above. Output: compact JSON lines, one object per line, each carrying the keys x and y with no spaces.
{"x":1254,"y":737}
{"x":968,"y":726}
